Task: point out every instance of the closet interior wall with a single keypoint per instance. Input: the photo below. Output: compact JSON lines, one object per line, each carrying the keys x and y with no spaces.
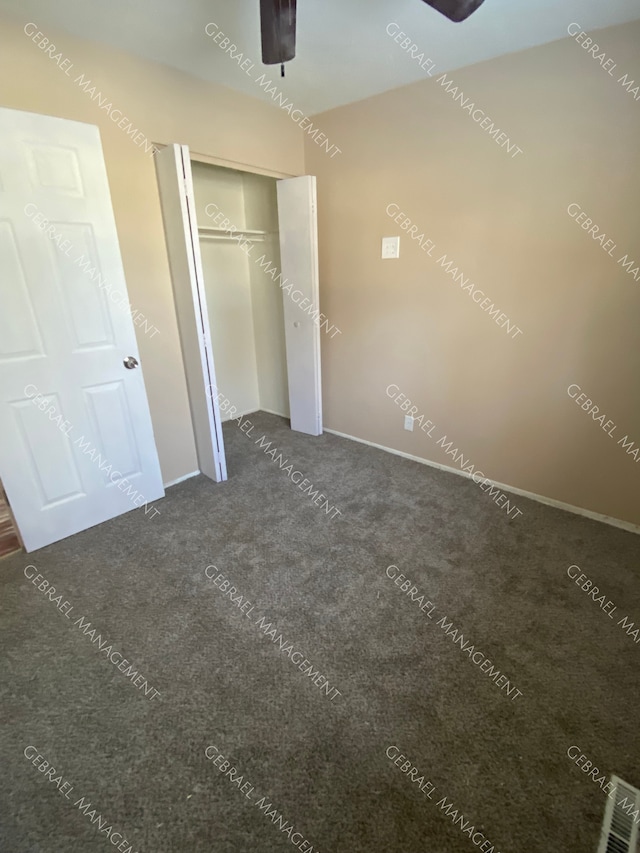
{"x":245,"y":306}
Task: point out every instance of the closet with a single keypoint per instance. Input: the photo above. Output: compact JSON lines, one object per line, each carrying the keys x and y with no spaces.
{"x":239,"y":294}
{"x":244,"y":303}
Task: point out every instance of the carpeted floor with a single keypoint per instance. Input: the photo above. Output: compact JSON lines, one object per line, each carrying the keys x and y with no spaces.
{"x":316,"y":754}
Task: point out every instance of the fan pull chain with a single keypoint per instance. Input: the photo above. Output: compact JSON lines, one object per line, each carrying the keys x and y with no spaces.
{"x":282,"y":70}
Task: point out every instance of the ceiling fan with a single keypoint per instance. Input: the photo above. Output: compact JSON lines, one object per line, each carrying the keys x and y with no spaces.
{"x":278,"y":25}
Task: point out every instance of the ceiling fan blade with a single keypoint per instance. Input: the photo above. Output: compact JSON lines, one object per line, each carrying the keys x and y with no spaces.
{"x":455,"y":10}
{"x":278,"y":25}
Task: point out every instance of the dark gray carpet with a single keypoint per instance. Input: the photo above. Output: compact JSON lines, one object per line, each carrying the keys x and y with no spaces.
{"x":321,"y":762}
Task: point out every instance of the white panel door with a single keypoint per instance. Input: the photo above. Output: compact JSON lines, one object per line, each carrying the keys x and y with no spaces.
{"x":77,"y":443}
{"x":177,"y":200}
{"x":299,"y":264}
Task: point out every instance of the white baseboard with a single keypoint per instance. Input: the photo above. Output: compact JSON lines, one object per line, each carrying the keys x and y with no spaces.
{"x":272,"y":412}
{"x":253,"y":412}
{"x":181,"y":479}
{"x":239,"y":415}
{"x":576,"y":510}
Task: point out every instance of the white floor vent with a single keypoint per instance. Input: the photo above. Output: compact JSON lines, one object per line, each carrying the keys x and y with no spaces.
{"x":621,"y":819}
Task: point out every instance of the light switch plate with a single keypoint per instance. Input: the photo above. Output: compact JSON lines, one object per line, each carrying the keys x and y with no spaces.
{"x":390,"y":247}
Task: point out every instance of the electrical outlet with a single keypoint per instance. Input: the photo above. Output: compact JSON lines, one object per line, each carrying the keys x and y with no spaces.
{"x":408,"y":423}
{"x":390,"y":247}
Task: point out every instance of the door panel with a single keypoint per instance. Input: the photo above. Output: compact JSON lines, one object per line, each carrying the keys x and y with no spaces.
{"x":177,"y":200}
{"x":86,"y":307}
{"x":48,"y":455}
{"x":110,"y":415}
{"x":299,"y":264}
{"x":61,"y":336}
{"x":20,"y":335}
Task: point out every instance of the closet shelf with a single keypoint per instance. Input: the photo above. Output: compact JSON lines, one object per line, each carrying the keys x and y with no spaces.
{"x":223,"y":234}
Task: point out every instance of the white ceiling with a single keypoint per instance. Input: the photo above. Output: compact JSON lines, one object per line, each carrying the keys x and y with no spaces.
{"x":343,"y":51}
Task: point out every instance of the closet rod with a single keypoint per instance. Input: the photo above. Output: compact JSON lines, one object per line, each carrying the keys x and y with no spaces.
{"x":210,"y":230}
{"x":236,"y":238}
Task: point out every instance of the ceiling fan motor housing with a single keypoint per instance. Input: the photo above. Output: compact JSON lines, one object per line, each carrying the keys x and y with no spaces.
{"x":455,"y":10}
{"x":278,"y":26}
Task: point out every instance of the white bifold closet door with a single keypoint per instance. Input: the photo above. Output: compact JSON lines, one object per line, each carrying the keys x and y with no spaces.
{"x":297,"y":219}
{"x":299,"y":266}
{"x":177,"y":199}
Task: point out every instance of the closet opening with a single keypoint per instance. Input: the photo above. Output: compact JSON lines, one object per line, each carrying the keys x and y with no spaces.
{"x":243,"y":253}
{"x":238,"y":235}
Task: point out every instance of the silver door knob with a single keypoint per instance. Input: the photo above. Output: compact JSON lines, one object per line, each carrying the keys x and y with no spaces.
{"x":130,"y":362}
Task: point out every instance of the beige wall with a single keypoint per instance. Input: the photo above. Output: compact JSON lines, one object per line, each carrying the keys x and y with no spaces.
{"x":168,"y":106}
{"x":503,"y":221}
